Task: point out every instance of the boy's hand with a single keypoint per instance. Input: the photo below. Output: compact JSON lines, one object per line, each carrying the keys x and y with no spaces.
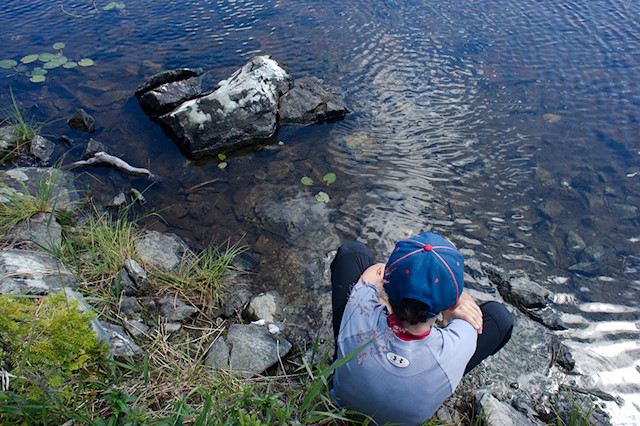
{"x":375,"y":274}
{"x":466,"y":309}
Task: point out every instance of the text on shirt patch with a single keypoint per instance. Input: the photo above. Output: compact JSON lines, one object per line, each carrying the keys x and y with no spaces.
{"x":397,"y":360}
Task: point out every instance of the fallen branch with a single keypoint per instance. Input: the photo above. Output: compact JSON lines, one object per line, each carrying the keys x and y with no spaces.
{"x":103,"y":159}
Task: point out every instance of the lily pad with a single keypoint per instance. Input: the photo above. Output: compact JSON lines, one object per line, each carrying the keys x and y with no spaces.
{"x":329,"y":178}
{"x":114,"y":5}
{"x":45,"y":57}
{"x":70,"y":64}
{"x":52,"y":64}
{"x":222,"y":165}
{"x":222,"y":157}
{"x":322,"y":197}
{"x":39,"y":71}
{"x":38,"y":78}
{"x":29,"y":58}
{"x":7,"y":63}
{"x":85,"y":62}
{"x":59,"y":46}
{"x":306,"y":181}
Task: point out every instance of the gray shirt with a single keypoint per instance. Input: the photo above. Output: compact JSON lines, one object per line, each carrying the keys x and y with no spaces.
{"x":391,"y":379}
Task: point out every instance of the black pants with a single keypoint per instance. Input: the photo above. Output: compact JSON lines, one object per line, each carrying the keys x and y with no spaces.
{"x":353,"y":258}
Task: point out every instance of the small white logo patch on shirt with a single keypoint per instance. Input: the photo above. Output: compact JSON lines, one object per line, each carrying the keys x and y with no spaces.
{"x":397,"y":360}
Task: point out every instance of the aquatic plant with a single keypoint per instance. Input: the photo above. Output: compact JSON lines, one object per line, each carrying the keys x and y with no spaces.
{"x":322,"y":197}
{"x":306,"y":181}
{"x":223,"y":161}
{"x":329,"y":178}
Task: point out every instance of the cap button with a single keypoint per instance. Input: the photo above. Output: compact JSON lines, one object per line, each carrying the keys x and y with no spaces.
{"x":427,"y":247}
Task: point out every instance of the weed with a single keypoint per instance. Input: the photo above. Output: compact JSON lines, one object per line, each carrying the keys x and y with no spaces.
{"x":24,"y":129}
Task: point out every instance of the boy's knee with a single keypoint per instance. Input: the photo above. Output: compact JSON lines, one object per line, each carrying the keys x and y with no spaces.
{"x":353,"y":247}
{"x":499,"y":314}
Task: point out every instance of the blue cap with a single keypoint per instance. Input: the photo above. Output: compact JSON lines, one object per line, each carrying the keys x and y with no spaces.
{"x":428,"y":268}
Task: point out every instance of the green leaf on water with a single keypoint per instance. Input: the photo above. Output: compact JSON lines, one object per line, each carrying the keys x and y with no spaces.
{"x":322,"y":197}
{"x":52,"y":64}
{"x":329,"y":178}
{"x":45,"y":57}
{"x":39,"y":71}
{"x":119,"y":5}
{"x":222,"y":165}
{"x":59,"y":46}
{"x":114,"y":5}
{"x":70,"y":64}
{"x":29,"y":58}
{"x":7,"y":63}
{"x":222,"y":157}
{"x":38,"y":78}
{"x":85,"y":62}
{"x":306,"y":181}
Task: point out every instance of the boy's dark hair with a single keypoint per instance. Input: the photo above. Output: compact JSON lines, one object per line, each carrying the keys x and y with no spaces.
{"x":411,"y":310}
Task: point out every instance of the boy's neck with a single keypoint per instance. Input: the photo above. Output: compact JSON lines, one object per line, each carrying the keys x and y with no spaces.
{"x":420,"y":328}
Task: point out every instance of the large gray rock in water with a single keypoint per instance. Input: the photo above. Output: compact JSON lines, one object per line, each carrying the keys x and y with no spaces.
{"x":243,"y":108}
{"x":310,"y":101}
{"x":168,"y":89}
{"x":25,"y":272}
{"x":254,"y":349}
{"x":8,"y":142}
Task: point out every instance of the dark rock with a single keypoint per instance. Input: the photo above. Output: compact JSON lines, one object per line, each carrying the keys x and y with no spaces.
{"x":41,"y":148}
{"x":81,"y":120}
{"x":165,"y":77}
{"x":174,"y":309}
{"x":136,"y":273}
{"x":561,"y":355}
{"x":27,"y":272}
{"x":254,"y":349}
{"x":166,"y":97}
{"x":65,"y":139}
{"x":241,"y":110}
{"x":93,"y":147}
{"x":311,"y":101}
{"x":117,"y":202}
{"x":268,"y":306}
{"x":129,"y":306}
{"x":123,"y":284}
{"x":574,"y":241}
{"x":234,"y":300}
{"x":545,"y":316}
{"x":550,"y":209}
{"x":519,"y":291}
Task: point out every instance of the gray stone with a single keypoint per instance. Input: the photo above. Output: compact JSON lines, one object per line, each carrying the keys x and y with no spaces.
{"x":236,"y":298}
{"x":162,"y":251}
{"x":41,"y":148}
{"x":63,"y":193}
{"x":164,"y":98}
{"x":117,"y":202}
{"x":92,"y":148}
{"x":121,"y":345}
{"x":41,"y":231}
{"x":136,"y":328}
{"x":550,"y":209}
{"x":546,"y":316}
{"x":218,"y":355}
{"x":520,"y":291}
{"x":254,"y":349}
{"x":136,"y":273}
{"x":174,"y":309}
{"x":561,"y":354}
{"x":129,"y":306}
{"x":172,"y":327}
{"x":137,"y":197}
{"x":26,"y":272}
{"x":8,"y":141}
{"x":81,"y":120}
{"x":497,"y":413}
{"x":310,"y":101}
{"x":241,"y":110}
{"x":268,"y":306}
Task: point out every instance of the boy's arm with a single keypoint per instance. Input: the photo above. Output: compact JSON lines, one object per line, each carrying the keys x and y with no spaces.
{"x":466,"y":309}
{"x":375,"y":275}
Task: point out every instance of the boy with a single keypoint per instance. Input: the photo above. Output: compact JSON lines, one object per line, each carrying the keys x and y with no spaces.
{"x":409,"y":367}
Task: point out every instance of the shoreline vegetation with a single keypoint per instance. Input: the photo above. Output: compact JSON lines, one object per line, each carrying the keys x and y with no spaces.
{"x":54,"y":370}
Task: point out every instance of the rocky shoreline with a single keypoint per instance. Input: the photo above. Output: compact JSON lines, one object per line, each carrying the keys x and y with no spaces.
{"x":523,"y":384}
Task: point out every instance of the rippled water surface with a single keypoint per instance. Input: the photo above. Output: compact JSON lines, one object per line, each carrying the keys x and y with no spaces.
{"x":509,"y":126}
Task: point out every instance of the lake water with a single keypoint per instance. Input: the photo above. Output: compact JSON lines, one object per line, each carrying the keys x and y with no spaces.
{"x":509,"y":126}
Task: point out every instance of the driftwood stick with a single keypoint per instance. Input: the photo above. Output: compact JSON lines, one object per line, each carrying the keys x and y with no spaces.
{"x":103,"y":159}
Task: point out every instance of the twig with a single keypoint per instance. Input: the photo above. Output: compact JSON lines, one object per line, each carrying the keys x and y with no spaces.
{"x":103,"y":159}
{"x":194,"y":187}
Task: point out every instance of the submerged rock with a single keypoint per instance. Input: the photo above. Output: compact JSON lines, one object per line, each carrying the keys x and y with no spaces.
{"x":8,"y":140}
{"x":81,"y":120}
{"x":311,"y":101}
{"x":42,"y":148}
